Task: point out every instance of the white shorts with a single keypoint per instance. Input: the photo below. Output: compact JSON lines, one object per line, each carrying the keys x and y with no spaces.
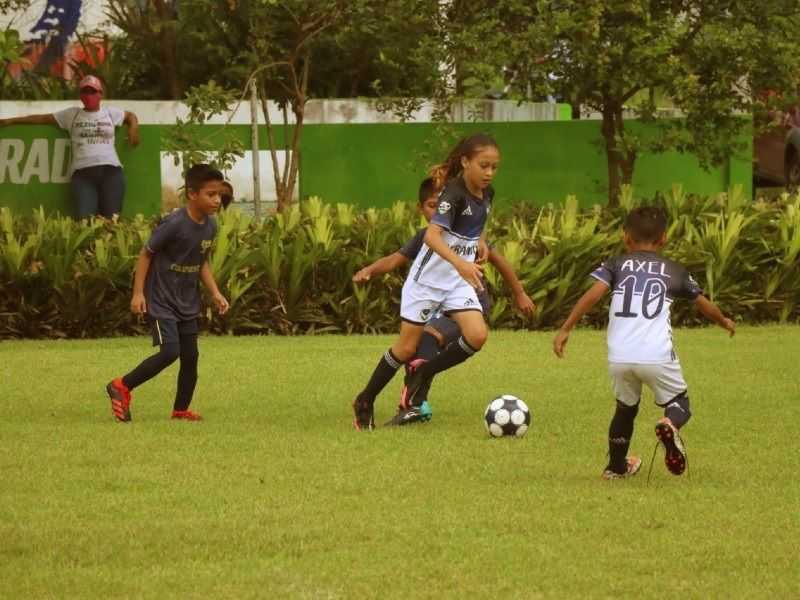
{"x":665,"y":379}
{"x":420,"y":303}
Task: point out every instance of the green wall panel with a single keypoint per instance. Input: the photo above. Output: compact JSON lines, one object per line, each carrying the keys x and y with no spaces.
{"x":374,"y":164}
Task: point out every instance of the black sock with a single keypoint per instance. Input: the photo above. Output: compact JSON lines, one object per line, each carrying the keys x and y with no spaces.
{"x":187,"y":375}
{"x":428,"y":349}
{"x":455,"y":353}
{"x":619,"y":437}
{"x":152,"y":366}
{"x":382,"y":375}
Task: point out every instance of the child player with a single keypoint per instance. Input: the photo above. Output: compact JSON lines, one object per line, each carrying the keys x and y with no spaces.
{"x":165,"y":288}
{"x":443,"y":276}
{"x":640,"y":351}
{"x":440,"y":330}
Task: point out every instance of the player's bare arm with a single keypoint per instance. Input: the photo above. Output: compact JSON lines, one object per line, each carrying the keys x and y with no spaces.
{"x":138,"y":303}
{"x":712,"y":312}
{"x":46,"y":119}
{"x":483,"y":249}
{"x":207,"y":277}
{"x":471,"y":272}
{"x":582,"y":306}
{"x":522,"y":301}
{"x":387,"y":264}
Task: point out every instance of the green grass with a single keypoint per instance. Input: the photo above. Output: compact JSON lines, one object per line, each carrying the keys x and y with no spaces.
{"x":274,"y":495}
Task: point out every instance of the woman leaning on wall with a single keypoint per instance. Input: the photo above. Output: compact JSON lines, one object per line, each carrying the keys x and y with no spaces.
{"x":97,"y":181}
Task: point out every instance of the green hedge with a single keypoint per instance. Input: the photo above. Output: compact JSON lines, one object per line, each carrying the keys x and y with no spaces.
{"x":291,"y":274}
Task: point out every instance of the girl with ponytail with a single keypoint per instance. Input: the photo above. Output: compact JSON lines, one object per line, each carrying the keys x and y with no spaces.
{"x":442,"y":280}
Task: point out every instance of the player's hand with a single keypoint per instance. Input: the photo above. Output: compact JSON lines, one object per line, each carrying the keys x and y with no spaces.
{"x":483,"y":252}
{"x":729,"y":326}
{"x":472,"y":273}
{"x":363,"y":275}
{"x":133,"y":136}
{"x":221,"y":303}
{"x":524,"y":303}
{"x":560,"y":342}
{"x":138,"y":304}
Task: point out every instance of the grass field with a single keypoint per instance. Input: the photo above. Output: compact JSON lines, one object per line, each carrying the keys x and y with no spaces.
{"x":274,"y":495}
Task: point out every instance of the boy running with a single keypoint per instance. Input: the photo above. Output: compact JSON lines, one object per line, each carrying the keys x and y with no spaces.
{"x":440,"y":330}
{"x":165,"y":288}
{"x":444,"y":276}
{"x":640,"y":350}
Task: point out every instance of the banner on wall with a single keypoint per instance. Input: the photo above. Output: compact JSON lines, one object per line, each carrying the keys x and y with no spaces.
{"x":40,"y":160}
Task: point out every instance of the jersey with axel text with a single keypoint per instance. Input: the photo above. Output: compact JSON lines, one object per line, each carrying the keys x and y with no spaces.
{"x":92,"y":135}
{"x":179,"y":246}
{"x":462,"y":217}
{"x":643,"y":286}
{"x":413,"y":247}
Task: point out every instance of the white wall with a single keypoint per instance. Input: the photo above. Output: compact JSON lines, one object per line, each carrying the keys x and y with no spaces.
{"x":317,"y":111}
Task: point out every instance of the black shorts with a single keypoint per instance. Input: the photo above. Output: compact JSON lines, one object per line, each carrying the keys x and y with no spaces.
{"x":169,"y":331}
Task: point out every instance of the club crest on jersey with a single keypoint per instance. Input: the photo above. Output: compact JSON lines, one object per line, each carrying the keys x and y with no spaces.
{"x":444,"y":206}
{"x":424,"y":314}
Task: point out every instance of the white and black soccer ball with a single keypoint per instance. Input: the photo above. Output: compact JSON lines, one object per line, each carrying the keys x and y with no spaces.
{"x":507,"y":415}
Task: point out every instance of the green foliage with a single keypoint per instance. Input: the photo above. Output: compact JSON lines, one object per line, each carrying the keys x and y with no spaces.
{"x":712,"y":59}
{"x":188,"y":144}
{"x":292,"y":273}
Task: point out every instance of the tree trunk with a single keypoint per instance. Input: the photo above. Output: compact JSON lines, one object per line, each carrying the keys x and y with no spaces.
{"x":299,"y":108}
{"x":620,"y":160}
{"x":167,"y":17}
{"x":612,"y":157}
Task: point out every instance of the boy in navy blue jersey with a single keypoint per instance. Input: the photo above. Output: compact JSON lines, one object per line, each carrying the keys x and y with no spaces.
{"x":440,"y":330}
{"x":165,"y":289}
{"x":444,"y":277}
{"x":640,"y":351}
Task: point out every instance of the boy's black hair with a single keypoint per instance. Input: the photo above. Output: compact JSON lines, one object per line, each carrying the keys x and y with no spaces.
{"x":426,"y":189}
{"x":198,"y":175}
{"x":646,"y":224}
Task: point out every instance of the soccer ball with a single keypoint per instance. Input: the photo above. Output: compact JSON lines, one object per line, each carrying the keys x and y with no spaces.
{"x":507,"y":415}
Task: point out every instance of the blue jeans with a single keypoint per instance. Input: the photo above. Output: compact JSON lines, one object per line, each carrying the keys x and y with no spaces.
{"x":98,"y":191}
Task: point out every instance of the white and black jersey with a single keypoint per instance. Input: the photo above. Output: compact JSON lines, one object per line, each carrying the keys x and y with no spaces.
{"x":462,"y":216}
{"x":644,"y":286}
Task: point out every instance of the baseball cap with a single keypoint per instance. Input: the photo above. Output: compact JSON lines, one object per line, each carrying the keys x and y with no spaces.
{"x":91,"y":81}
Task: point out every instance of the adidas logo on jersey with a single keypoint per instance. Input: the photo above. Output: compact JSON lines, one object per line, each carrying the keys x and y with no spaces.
{"x":467,"y":211}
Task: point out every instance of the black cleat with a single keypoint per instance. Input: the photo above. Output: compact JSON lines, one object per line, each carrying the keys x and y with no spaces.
{"x":414,"y":414}
{"x":413,"y":383}
{"x":675,"y":454}
{"x":363,"y":410}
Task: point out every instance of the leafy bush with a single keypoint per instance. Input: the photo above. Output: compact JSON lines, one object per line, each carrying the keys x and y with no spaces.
{"x":291,"y":273}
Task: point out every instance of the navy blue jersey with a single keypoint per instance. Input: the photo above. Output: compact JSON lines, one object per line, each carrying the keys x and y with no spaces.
{"x":643,"y":286}
{"x":179,"y":246}
{"x":462,"y":216}
{"x":413,"y":246}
